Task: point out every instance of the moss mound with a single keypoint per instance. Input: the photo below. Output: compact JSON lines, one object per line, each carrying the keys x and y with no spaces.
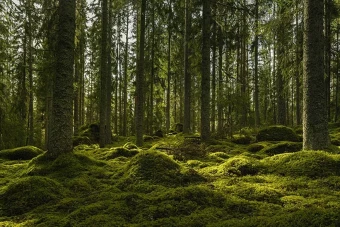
{"x":130,"y":146}
{"x":28,"y":193}
{"x":282,"y":147}
{"x":77,"y":140}
{"x":240,"y":166}
{"x":255,"y":147}
{"x":66,"y":165}
{"x":241,"y":139}
{"x":21,"y":153}
{"x":277,"y":133}
{"x":153,"y":166}
{"x":313,"y":164}
{"x":157,"y":168}
{"x":121,"y":152}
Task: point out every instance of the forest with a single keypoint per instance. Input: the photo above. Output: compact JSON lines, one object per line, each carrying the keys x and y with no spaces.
{"x":169,"y":113}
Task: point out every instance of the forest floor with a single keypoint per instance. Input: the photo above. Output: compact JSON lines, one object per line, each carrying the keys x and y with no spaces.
{"x":174,"y":181}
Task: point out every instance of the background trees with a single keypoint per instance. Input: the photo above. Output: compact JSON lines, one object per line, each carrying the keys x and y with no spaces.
{"x":254,"y":70}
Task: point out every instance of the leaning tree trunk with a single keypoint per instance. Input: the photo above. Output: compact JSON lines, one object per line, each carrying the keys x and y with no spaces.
{"x":315,"y":127}
{"x":60,"y":138}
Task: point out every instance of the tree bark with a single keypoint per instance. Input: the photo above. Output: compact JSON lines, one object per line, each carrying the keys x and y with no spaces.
{"x":205,"y":80}
{"x":315,"y":126}
{"x":60,"y":139}
{"x":187,"y":76}
{"x":139,"y":114}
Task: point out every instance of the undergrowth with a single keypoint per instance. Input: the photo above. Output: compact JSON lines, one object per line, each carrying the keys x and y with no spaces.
{"x":173,"y":181}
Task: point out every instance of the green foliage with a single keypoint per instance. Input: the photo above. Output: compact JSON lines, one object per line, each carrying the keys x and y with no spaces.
{"x":313,"y":164}
{"x":28,"y":193}
{"x":277,"y":133}
{"x":282,"y":147}
{"x":21,"y":153}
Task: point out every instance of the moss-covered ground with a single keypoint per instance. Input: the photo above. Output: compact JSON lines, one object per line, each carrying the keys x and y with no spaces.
{"x":173,"y":181}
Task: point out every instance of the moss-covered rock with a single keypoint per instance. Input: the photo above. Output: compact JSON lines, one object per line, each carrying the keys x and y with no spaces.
{"x":21,"y":153}
{"x":240,"y":166}
{"x":282,"y":147}
{"x":313,"y":164}
{"x":277,"y":133}
{"x":28,"y":193}
{"x":77,"y":140}
{"x":241,"y":139}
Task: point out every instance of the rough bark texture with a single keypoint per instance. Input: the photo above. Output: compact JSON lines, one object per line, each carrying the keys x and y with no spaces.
{"x":187,"y":76}
{"x":315,"y":127}
{"x":205,"y":81}
{"x":256,"y":76}
{"x":60,"y":138}
{"x":139,"y":115}
{"x":103,"y":77}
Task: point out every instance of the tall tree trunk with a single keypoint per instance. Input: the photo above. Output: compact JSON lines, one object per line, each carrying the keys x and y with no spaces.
{"x":220,"y":83}
{"x":256,"y":76}
{"x":315,"y":126}
{"x":60,"y":139}
{"x":297,"y":72}
{"x":280,"y":81}
{"x":169,"y":72}
{"x":108,"y":106}
{"x":205,"y":80}
{"x":103,"y":76}
{"x":337,"y":75}
{"x":139,"y":114}
{"x":213,"y":73}
{"x":152,"y":70}
{"x":328,"y":56}
{"x":126,"y":57}
{"x":187,"y":76}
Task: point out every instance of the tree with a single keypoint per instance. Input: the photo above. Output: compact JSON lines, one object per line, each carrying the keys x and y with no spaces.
{"x":60,"y":140}
{"x":315,"y":126}
{"x":187,"y":76}
{"x":139,"y":110}
{"x":205,"y":80}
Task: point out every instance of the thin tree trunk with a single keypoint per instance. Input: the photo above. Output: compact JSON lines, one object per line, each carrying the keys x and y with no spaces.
{"x":187,"y":76}
{"x":103,"y":76}
{"x":126,"y":56}
{"x":205,"y":80}
{"x":256,"y":76}
{"x":169,"y":72}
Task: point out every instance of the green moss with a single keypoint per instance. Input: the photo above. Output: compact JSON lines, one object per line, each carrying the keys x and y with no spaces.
{"x":282,"y":147}
{"x":218,"y":156}
{"x":121,"y":151}
{"x":158,"y":168}
{"x":277,"y":133}
{"x":130,"y":146}
{"x":255,"y":147}
{"x":240,"y":166}
{"x":66,"y":165}
{"x":28,"y":193}
{"x":77,"y":140}
{"x":241,"y":139}
{"x":21,"y":153}
{"x":312,"y":164}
